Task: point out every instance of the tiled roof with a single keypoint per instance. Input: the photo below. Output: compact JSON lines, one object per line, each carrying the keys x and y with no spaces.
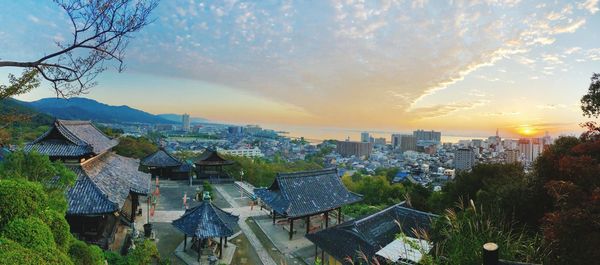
{"x":371,"y":233}
{"x":306,"y":193}
{"x":72,"y":139}
{"x":207,"y":221}
{"x":210,"y":157}
{"x":160,"y":158}
{"x":104,"y":183}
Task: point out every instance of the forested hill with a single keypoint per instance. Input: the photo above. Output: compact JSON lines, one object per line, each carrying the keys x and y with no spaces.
{"x":89,"y":109}
{"x":24,"y":114}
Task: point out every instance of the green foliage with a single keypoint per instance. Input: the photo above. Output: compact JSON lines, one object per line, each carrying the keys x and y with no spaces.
{"x":260,"y":172}
{"x":82,"y":253}
{"x":145,"y":252}
{"x":31,"y":233}
{"x":34,"y":166}
{"x":460,"y":235}
{"x":60,"y":229}
{"x":590,"y":102}
{"x":135,"y":147}
{"x":13,"y":253}
{"x":20,"y":85}
{"x":20,"y":199}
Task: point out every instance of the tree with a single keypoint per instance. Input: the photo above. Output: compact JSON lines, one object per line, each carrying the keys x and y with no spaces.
{"x":135,"y":147}
{"x":101,"y":31}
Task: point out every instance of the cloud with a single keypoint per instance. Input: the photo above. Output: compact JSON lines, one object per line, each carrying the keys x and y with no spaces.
{"x":379,"y":59}
{"x":33,"y":19}
{"x":590,"y":5}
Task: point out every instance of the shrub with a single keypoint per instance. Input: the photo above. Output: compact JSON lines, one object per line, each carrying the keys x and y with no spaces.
{"x":13,"y":253}
{"x":20,"y":199}
{"x":31,"y":233}
{"x":82,"y":253}
{"x":60,"y":229}
{"x":144,"y":253}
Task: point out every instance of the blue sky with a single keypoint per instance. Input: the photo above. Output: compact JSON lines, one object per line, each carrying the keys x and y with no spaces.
{"x":384,"y":65}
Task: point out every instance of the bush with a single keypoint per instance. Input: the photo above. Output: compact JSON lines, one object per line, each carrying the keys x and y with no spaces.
{"x":60,"y":229}
{"x":30,"y":233}
{"x":144,"y":253}
{"x":20,"y":199}
{"x":82,"y":253}
{"x":13,"y":253}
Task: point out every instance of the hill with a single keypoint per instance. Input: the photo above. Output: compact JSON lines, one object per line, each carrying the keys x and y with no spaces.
{"x":28,"y":116}
{"x":89,"y":109}
{"x":177,"y":118}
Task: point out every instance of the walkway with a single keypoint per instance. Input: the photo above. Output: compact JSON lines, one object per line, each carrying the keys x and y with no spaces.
{"x":244,"y":212}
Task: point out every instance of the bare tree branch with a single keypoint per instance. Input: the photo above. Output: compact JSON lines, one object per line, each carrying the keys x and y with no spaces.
{"x":101,"y":31}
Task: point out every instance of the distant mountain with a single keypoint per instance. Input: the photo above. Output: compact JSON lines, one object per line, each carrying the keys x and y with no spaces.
{"x":28,"y":116}
{"x":89,"y":109}
{"x":178,"y":117}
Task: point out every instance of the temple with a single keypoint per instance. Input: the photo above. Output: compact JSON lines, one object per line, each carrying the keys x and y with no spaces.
{"x":105,"y":196}
{"x":206,"y":221}
{"x":209,"y":167}
{"x":377,"y":237}
{"x":163,"y":164}
{"x":302,"y":195}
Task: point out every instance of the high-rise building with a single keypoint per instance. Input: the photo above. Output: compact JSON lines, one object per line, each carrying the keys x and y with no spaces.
{"x":428,"y":135}
{"x":358,"y":149}
{"x":234,"y":130}
{"x":530,"y":148}
{"x":395,"y":140}
{"x":185,"y":120}
{"x":512,"y":155}
{"x":380,"y":141}
{"x":464,"y":159}
{"x":365,"y":137}
{"x":408,"y":142}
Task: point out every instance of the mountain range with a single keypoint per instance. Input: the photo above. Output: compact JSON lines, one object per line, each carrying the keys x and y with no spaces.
{"x":88,"y":109}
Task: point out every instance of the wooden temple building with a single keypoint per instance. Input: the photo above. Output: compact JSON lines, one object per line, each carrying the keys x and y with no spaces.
{"x":205,"y":222}
{"x":209,"y":167}
{"x":375,"y":236}
{"x":306,"y":194}
{"x":163,"y":164}
{"x":105,"y":196}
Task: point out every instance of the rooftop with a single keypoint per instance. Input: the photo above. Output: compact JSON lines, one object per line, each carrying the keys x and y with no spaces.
{"x":206,"y":221}
{"x":306,"y":193}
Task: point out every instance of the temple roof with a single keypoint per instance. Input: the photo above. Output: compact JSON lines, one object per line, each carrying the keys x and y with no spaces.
{"x":68,"y":138}
{"x":210,"y":157}
{"x":104,"y":183}
{"x":306,"y":193}
{"x":371,"y":233}
{"x":207,"y":221}
{"x":161,"y":158}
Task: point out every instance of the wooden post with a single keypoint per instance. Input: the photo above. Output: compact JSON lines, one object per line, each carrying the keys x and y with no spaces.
{"x":184,"y":242}
{"x":322,"y":256}
{"x":199,"y":250}
{"x":220,"y":248}
{"x":340,"y":215}
{"x":225,"y":241}
{"x":273,"y":211}
{"x":291,"y":228}
{"x":326,"y":220}
{"x":490,"y":254}
{"x":307,"y":224}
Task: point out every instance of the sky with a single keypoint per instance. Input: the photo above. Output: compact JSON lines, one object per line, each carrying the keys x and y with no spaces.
{"x":462,"y":67}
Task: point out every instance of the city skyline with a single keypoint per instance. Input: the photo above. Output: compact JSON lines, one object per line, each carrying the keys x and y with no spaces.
{"x":378,"y":66}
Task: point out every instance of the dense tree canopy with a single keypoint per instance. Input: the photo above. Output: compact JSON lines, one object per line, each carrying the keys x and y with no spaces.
{"x":135,"y":147}
{"x":260,"y":172}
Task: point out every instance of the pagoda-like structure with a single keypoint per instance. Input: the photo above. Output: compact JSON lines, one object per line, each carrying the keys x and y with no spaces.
{"x":108,"y":186}
{"x":163,"y":164}
{"x":305,"y":194}
{"x":206,"y":221}
{"x":209,"y":166}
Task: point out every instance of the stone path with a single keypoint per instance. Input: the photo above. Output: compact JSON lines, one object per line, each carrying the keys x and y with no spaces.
{"x":242,"y":211}
{"x":245,"y":212}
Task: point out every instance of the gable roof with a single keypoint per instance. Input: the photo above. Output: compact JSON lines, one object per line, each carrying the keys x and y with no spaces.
{"x":306,"y":193}
{"x":104,"y":183}
{"x":210,"y":157}
{"x":160,"y":158}
{"x":206,"y":221}
{"x":371,"y":233}
{"x":67,"y":138}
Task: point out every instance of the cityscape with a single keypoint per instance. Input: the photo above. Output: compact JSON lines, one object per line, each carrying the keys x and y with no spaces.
{"x":299,"y":132}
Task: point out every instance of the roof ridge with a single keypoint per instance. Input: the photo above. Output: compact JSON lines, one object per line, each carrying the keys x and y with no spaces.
{"x":305,"y":173}
{"x":74,"y":122}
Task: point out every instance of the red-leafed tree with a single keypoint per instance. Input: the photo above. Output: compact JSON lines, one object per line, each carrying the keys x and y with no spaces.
{"x":570,"y":174}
